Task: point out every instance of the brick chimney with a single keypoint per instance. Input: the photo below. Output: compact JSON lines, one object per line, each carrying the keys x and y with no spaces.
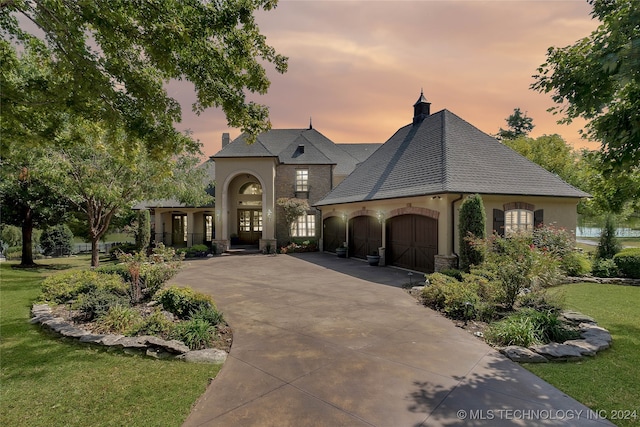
{"x":225,"y":139}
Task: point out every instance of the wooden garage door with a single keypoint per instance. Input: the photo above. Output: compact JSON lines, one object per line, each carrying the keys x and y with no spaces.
{"x":334,"y":233}
{"x":365,"y":236}
{"x":412,"y":242}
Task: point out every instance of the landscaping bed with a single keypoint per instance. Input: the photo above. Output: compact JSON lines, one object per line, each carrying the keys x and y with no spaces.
{"x":128,"y":306}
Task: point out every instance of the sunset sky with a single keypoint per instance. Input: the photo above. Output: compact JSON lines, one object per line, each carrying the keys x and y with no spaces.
{"x":357,"y":67}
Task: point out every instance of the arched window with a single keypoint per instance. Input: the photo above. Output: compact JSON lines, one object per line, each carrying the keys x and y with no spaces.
{"x":518,"y":220}
{"x":251,"y":188}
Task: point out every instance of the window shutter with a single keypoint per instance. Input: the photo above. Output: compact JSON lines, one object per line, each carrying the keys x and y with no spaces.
{"x":498,"y":221}
{"x":538,"y":218}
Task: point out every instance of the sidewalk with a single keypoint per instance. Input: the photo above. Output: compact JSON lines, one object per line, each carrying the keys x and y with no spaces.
{"x":322,"y":341}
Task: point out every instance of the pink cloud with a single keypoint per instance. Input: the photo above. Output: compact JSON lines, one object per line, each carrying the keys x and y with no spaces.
{"x":357,"y":67}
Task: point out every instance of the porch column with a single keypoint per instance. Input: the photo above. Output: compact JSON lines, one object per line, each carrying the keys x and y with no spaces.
{"x":190,"y":229}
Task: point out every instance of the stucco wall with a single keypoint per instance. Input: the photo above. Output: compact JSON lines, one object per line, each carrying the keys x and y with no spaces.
{"x":561,"y":212}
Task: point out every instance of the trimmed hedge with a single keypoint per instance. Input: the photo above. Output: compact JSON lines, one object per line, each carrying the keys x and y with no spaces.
{"x":628,"y":262}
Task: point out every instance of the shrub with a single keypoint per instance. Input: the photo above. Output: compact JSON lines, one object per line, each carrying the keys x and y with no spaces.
{"x":11,"y":235}
{"x":13,"y":253}
{"x":527,"y":327}
{"x":194,"y":251}
{"x":62,"y":287}
{"x":143,"y":232}
{"x":575,"y":263}
{"x":119,"y":319}
{"x":97,"y":302}
{"x":609,"y":244}
{"x":628,"y":262}
{"x":433,"y":294}
{"x":57,"y":241}
{"x":557,"y":241}
{"x":514,"y":330}
{"x":456,"y":299}
{"x":541,"y":300}
{"x":118,"y":248}
{"x":118,"y":269}
{"x":208,"y":314}
{"x":472,"y":225}
{"x":155,"y":275}
{"x":196,"y":333}
{"x":452,"y":272}
{"x":516,"y":263}
{"x":155,"y":323}
{"x":183,"y":301}
{"x":603,"y":267}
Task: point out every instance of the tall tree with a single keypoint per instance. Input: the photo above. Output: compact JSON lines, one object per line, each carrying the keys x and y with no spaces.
{"x":551,"y":152}
{"x":101,"y":178}
{"x":111,"y":61}
{"x":598,"y":79}
{"x":518,"y":125}
{"x":28,"y":199}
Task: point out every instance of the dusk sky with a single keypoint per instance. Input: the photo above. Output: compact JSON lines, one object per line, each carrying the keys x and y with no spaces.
{"x":357,"y":67}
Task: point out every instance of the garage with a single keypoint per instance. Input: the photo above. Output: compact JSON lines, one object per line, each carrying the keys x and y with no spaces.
{"x":365,"y":236}
{"x":412,"y":242}
{"x":334,"y":233}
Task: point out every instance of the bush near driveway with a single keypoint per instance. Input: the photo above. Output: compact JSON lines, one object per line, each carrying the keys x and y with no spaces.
{"x":50,"y":382}
{"x":628,"y":262}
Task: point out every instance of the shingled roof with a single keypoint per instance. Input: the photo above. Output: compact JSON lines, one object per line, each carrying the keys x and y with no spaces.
{"x":442,"y":153}
{"x":298,"y":146}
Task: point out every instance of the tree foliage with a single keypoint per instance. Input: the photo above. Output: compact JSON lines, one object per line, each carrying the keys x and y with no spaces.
{"x":57,"y":240}
{"x":28,"y":199}
{"x":143,"y":232}
{"x":110,"y":61}
{"x":598,"y":79}
{"x":293,"y":208}
{"x":518,"y":125}
{"x":472,"y":225}
{"x":608,"y":245}
{"x":101,"y":178}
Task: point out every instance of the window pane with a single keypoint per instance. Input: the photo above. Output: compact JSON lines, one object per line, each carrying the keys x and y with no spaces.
{"x":302,"y":180}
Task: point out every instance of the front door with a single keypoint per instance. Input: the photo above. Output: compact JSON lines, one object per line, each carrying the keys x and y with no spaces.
{"x":249,"y":226}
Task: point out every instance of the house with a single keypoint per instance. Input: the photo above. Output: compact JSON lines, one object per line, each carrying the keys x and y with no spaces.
{"x":403,"y":200}
{"x":250,"y":178}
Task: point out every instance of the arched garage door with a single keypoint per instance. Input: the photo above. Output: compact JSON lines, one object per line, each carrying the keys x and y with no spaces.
{"x":365,"y":236}
{"x":412,"y":242}
{"x":334,"y":233}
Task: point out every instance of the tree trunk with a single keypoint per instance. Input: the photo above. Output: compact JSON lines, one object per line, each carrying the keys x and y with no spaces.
{"x":95,"y":251}
{"x":27,"y":236}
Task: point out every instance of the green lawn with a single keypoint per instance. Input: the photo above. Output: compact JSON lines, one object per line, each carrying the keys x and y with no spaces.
{"x":610,"y":381}
{"x":50,"y":382}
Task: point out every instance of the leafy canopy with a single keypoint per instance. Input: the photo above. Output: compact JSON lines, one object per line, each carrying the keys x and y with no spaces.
{"x":598,"y":79}
{"x":518,"y":125}
{"x":111,"y":61}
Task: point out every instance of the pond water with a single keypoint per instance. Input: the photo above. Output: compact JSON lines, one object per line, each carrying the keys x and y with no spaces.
{"x":590,"y":228}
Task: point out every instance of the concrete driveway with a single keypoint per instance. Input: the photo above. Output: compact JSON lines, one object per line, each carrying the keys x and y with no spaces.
{"x":323,"y":341}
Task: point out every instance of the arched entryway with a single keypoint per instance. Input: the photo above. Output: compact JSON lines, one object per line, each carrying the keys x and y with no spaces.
{"x":412,"y":242}
{"x":334,"y":233}
{"x":365,"y":236}
{"x":249,"y":213}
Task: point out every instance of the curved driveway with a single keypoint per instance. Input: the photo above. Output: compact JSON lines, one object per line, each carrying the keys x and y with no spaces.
{"x":323,"y":341}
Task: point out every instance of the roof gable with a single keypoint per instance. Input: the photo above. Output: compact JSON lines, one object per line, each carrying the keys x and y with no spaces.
{"x":285,"y":145}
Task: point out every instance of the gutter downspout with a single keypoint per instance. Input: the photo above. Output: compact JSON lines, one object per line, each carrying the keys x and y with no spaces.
{"x":453,"y":229}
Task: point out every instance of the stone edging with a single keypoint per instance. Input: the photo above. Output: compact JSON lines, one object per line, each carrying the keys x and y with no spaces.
{"x":593,"y":339}
{"x":147,"y":345}
{"x":605,"y":280}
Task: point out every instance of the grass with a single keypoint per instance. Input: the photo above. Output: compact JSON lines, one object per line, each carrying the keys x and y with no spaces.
{"x":608,"y":381}
{"x":50,"y":381}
